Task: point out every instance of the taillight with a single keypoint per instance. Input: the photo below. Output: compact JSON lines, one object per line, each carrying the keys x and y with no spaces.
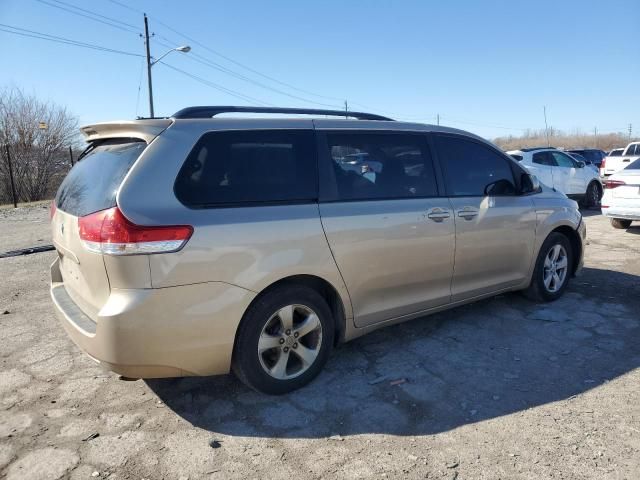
{"x":613,"y":183}
{"x":109,"y":232}
{"x":52,"y":209}
{"x":604,"y":163}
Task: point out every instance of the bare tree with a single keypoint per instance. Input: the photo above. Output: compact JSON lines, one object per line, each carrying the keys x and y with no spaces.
{"x":38,"y":134}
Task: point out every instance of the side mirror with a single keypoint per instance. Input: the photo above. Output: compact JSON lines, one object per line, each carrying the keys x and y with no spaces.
{"x":581,"y":164}
{"x":529,"y":183}
{"x":500,"y":187}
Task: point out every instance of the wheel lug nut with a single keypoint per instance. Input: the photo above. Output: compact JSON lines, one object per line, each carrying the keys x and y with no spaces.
{"x":288,"y":332}
{"x":281,"y":341}
{"x":286,"y":349}
{"x":296,"y":334}
{"x":295,"y":345}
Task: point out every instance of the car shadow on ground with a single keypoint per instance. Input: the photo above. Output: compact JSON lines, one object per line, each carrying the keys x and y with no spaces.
{"x":477,"y":362}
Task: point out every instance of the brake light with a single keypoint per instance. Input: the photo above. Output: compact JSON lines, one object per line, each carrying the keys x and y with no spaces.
{"x":52,"y":209}
{"x":604,"y":163}
{"x":111,"y":233}
{"x":613,"y":183}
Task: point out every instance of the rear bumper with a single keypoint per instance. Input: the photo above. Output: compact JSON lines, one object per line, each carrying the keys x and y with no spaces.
{"x":150,"y":333}
{"x":621,"y":211}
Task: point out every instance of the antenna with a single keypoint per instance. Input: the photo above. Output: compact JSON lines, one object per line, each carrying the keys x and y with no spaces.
{"x":546,"y":127}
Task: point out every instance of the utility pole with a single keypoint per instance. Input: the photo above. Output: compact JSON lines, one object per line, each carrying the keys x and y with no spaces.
{"x":546,"y":127}
{"x":595,"y":134}
{"x":630,"y":129}
{"x":146,"y":41}
{"x":437,"y":119}
{"x":13,"y":186}
{"x":346,"y":109}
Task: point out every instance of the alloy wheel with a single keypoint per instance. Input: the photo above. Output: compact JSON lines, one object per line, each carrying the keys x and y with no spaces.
{"x":290,"y":342}
{"x":555,"y":268}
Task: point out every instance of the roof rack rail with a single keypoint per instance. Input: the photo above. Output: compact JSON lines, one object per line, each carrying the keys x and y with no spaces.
{"x":208,"y":112}
{"x":531,"y":149}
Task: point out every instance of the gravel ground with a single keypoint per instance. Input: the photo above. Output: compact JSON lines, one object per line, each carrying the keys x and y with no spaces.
{"x":499,"y":389}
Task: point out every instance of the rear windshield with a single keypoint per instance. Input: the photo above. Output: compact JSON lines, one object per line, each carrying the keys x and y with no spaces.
{"x":93,"y":182}
{"x":616,"y":153}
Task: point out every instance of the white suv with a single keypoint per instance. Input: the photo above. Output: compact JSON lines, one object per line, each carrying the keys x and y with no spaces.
{"x":559,"y":170}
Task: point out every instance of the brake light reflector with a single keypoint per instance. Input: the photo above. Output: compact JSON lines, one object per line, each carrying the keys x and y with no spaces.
{"x":613,"y":183}
{"x":111,"y":233}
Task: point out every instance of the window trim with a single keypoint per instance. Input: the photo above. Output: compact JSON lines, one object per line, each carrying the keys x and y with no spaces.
{"x":328,"y":188}
{"x":514,"y":167}
{"x":255,"y":203}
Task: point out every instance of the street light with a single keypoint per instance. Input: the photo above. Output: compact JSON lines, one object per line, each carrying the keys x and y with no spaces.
{"x":183,"y":49}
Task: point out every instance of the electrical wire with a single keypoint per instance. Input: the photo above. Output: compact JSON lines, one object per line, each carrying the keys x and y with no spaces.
{"x":216,"y":86}
{"x":216,"y":66}
{"x":126,"y":29}
{"x":53,"y":38}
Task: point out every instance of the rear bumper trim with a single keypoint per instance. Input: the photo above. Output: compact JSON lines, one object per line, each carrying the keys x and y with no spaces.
{"x":71,"y":311}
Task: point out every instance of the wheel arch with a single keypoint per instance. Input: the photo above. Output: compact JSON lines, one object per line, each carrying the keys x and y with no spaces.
{"x":574,"y":240}
{"x":324,"y":288}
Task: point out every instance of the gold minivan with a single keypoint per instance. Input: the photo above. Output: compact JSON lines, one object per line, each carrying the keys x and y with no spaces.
{"x":204,"y":242}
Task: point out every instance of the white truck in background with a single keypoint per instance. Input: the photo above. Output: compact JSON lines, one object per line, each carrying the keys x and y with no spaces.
{"x":613,"y":164}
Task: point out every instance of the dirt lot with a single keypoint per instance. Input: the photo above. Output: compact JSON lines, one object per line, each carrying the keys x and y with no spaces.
{"x":500,"y":389}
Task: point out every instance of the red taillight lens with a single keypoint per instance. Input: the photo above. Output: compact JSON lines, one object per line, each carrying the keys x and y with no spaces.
{"x":604,"y":163}
{"x":613,"y":183}
{"x":52,"y":209}
{"x":109,"y":232}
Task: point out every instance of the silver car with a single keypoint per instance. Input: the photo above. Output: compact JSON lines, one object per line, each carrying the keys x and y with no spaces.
{"x":200,"y":243}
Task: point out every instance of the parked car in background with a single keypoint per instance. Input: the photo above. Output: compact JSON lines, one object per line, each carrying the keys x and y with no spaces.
{"x":559,"y":170}
{"x":593,"y":156}
{"x":621,"y":199}
{"x":196,"y":244}
{"x":613,"y":164}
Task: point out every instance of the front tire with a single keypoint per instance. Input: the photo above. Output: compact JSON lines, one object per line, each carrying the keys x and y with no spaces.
{"x":284,"y":340}
{"x":552,"y":271}
{"x":620,"y":223}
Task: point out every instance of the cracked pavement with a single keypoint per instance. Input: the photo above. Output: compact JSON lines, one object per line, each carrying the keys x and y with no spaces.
{"x":502,"y":388}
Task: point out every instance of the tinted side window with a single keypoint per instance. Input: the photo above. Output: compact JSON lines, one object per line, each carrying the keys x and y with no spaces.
{"x":381,"y":165}
{"x":563,"y":160}
{"x":249,"y":166}
{"x":93,"y":182}
{"x":543,"y":158}
{"x":470,"y":166}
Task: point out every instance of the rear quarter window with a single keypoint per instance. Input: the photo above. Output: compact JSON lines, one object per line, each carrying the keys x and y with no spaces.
{"x":92,"y":184}
{"x":245,"y":167}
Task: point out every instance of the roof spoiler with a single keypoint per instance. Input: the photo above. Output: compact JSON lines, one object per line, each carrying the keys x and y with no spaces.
{"x":146,"y":130}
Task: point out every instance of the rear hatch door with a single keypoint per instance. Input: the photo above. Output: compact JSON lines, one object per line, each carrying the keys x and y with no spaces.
{"x":90,"y":186}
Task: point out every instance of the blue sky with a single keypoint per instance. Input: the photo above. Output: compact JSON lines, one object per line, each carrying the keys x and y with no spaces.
{"x":485,"y":66}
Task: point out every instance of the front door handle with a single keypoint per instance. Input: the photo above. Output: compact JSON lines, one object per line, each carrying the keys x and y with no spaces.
{"x":438,"y":214}
{"x":468,"y":213}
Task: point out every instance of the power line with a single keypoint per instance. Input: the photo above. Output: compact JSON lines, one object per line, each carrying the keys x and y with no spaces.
{"x":216,"y":66}
{"x":52,"y":38}
{"x":126,"y":29}
{"x":229,"y":59}
{"x":216,"y":86}
{"x":111,"y":19}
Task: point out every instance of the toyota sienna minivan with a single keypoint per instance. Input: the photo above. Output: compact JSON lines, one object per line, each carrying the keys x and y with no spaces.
{"x":204,"y":243}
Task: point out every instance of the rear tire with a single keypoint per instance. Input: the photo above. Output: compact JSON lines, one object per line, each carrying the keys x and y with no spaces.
{"x":620,"y":223}
{"x":592,"y":195}
{"x":284,"y":340}
{"x":555,"y":257}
